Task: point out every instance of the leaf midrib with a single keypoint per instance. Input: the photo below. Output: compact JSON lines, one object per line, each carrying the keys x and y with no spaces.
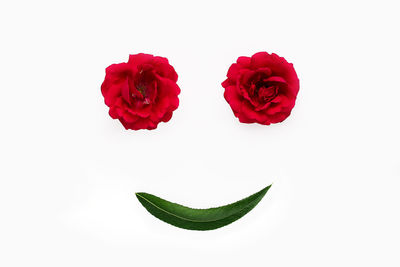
{"x":186,"y":219}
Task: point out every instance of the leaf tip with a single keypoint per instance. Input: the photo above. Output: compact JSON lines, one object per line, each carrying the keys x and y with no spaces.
{"x":268,"y":187}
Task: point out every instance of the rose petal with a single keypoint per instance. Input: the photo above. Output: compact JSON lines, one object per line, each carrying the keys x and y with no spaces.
{"x":140,"y":109}
{"x":126,"y":95}
{"x":139,"y":59}
{"x":233,"y":98}
{"x":245,"y":62}
{"x":164,"y":69}
{"x":260,"y":60}
{"x":227,"y":83}
{"x":129,"y":117}
{"x":167,"y":87}
{"x":248,"y":111}
{"x":279,"y":117}
{"x":275,"y":79}
{"x":167,"y":117}
{"x":233,"y":72}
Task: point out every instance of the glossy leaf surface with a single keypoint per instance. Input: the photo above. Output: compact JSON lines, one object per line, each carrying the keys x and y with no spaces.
{"x":199,"y":219}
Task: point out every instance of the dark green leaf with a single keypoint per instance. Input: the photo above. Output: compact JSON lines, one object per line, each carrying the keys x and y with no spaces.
{"x":199,"y":219}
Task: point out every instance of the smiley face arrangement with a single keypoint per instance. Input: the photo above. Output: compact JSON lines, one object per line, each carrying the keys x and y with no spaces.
{"x":143,"y":92}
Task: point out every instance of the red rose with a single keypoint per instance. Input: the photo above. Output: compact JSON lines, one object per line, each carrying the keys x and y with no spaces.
{"x":261,"y":89}
{"x":141,"y":92}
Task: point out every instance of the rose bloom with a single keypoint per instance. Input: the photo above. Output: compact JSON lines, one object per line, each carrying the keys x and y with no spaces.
{"x":142,"y":92}
{"x":261,"y":88}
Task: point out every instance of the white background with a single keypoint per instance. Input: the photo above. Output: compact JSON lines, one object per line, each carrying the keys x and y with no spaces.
{"x":69,"y":172}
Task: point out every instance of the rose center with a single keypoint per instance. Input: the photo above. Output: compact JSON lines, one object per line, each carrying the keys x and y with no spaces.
{"x":141,"y":93}
{"x":141,"y":88}
{"x":262,"y":92}
{"x":266,"y":94}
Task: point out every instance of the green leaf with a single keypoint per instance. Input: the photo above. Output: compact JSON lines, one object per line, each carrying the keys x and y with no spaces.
{"x":199,"y":219}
